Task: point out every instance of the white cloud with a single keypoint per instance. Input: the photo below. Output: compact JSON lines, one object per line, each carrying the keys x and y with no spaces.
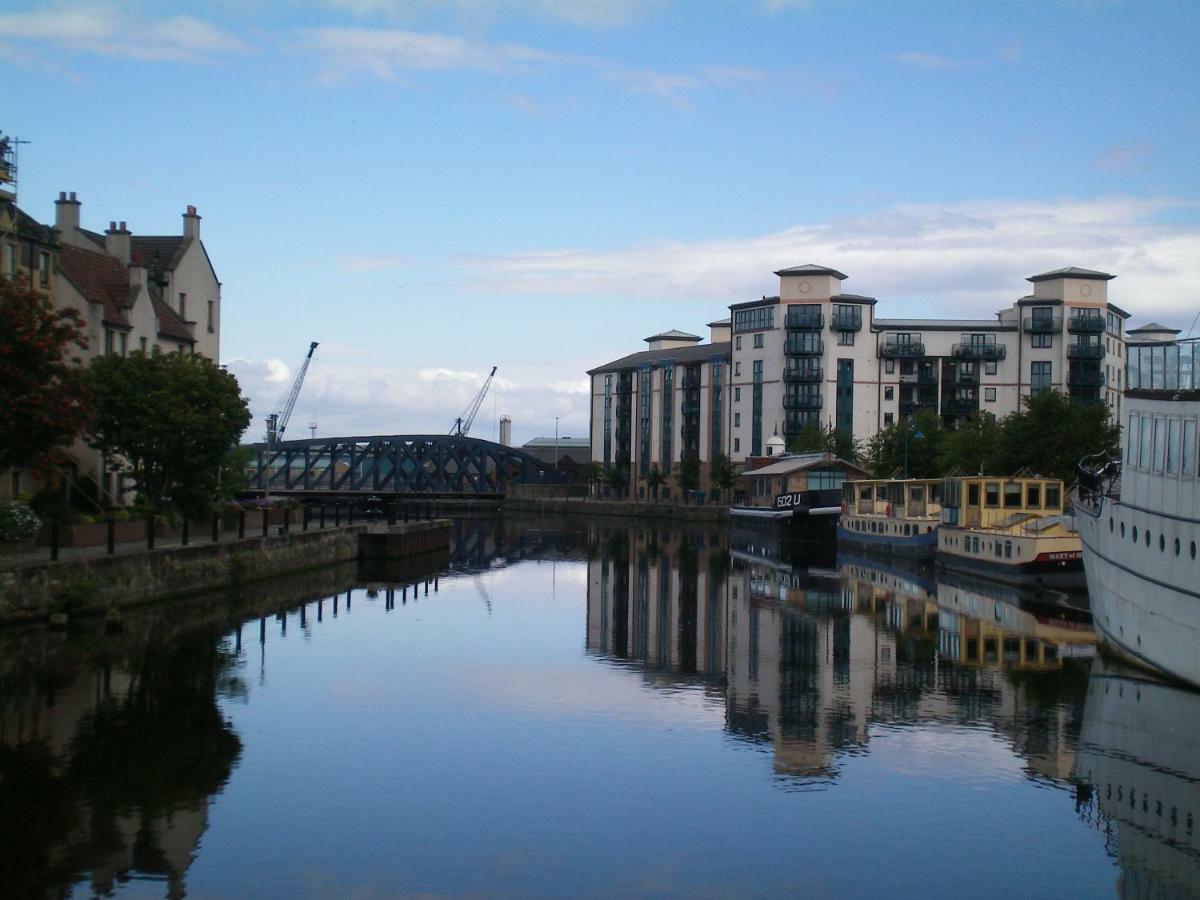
{"x":964,"y":259}
{"x":925,"y":60}
{"x":113,"y":30}
{"x":1121,"y":157}
{"x":581,"y":13}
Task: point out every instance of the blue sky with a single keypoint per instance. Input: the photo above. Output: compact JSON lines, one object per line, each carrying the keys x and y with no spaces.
{"x":432,"y":187}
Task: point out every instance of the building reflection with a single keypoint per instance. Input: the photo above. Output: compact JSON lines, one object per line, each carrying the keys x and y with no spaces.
{"x":808,"y":659}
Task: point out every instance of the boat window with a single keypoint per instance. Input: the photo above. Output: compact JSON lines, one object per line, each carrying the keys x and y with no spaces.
{"x":999,"y":550}
{"x":1144,"y":442}
{"x":992,"y":494}
{"x":1033,"y":495}
{"x":973,"y":494}
{"x":1160,"y":437}
{"x":1189,"y":447}
{"x":1012,"y":495}
{"x":1008,"y":549}
{"x":1173,"y":436}
{"x":1131,"y":450}
{"x":864,"y":493}
{"x":1053,"y":496}
{"x":916,"y":494}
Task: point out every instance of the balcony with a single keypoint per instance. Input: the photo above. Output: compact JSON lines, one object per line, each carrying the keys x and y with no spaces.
{"x":690,"y":407}
{"x":979,"y":351}
{"x":804,"y":321}
{"x":802,"y":375}
{"x":690,"y":433}
{"x":959,"y":406}
{"x":1085,"y":378}
{"x":1085,"y":351}
{"x":808,"y":347}
{"x":964,"y":378}
{"x":846,"y":322}
{"x":795,"y":425}
{"x":1043,"y":324}
{"x":801,"y":401}
{"x":1079,"y":324}
{"x":902,"y":350}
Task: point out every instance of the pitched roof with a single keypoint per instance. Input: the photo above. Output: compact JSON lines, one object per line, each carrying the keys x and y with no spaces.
{"x":27,"y":226}
{"x":100,"y":278}
{"x":1072,"y":272}
{"x":693,"y":354}
{"x":725,"y":322}
{"x":674,"y":335}
{"x":1154,"y":327}
{"x":157,"y":253}
{"x":563,"y":443}
{"x":853,"y":298}
{"x":797,"y":461}
{"x":943,"y":325}
{"x":812,"y":269}
{"x":170,"y":325}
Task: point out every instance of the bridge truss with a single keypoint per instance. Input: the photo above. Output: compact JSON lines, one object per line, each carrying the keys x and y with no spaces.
{"x":414,"y":464}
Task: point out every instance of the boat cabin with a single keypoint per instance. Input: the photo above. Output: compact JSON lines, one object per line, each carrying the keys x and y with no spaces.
{"x":1001,"y":504}
{"x":815,"y":478}
{"x":894,"y":498}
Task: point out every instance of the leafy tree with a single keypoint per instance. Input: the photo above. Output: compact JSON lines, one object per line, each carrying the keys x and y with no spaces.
{"x":43,"y":404}
{"x":170,"y":420}
{"x":723,"y":474}
{"x":687,"y":476}
{"x":816,"y":438}
{"x":655,"y":479}
{"x":923,"y":434}
{"x":1052,"y":433}
{"x":589,"y":473}
{"x":615,"y":479}
{"x":973,"y":448}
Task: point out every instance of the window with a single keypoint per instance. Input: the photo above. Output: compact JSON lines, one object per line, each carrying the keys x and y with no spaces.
{"x":755,"y":319}
{"x":108,"y":341}
{"x":889,"y":366}
{"x":44,"y":269}
{"x":973,"y":494}
{"x":1173,"y":436}
{"x":737,"y":395}
{"x":1147,"y":424}
{"x":889,"y":393}
{"x":737,"y":342}
{"x":758,"y":341}
{"x":1189,"y":447}
{"x":1043,"y":341}
{"x":737,"y":368}
{"x":1159,"y":446}
{"x":1039,"y":376}
{"x":142,"y":346}
{"x":183,"y":306}
{"x":737,"y":420}
{"x":989,"y":367}
{"x":845,"y":338}
{"x":10,"y":260}
{"x":989,"y":395}
{"x":889,"y":418}
{"x":1033,"y":496}
{"x":1012,"y":495}
{"x":124,"y":343}
{"x":737,"y":445}
{"x":991,"y":493}
{"x":758,"y":370}
{"x":212,"y":318}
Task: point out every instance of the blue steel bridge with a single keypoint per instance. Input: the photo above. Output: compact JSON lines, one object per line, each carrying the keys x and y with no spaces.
{"x":425,"y":465}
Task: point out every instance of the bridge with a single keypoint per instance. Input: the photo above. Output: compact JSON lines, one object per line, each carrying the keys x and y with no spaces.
{"x":400,"y":464}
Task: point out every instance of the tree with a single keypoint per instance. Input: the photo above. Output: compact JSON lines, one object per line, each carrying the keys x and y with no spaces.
{"x":170,"y":420}
{"x":589,"y":473}
{"x":43,"y":404}
{"x":688,"y":475}
{"x":916,"y":437}
{"x":1052,"y":433}
{"x":655,"y":479}
{"x":973,"y":448}
{"x":816,"y":438}
{"x":615,"y":478}
{"x":723,"y":474}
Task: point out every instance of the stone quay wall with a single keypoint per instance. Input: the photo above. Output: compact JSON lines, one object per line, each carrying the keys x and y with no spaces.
{"x":629,"y":509}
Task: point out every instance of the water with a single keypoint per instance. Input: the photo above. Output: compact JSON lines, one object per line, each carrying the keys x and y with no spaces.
{"x":594,"y":710}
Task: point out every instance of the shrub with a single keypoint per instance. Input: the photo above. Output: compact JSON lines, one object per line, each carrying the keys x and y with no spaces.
{"x":84,"y":519}
{"x":120,"y":515}
{"x":17,"y":522}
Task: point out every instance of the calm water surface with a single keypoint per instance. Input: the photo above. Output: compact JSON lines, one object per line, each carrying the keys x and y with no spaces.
{"x":595,"y":710}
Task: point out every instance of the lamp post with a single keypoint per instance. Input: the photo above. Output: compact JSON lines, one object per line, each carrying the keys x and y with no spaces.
{"x":556,"y":443}
{"x":909,"y":425}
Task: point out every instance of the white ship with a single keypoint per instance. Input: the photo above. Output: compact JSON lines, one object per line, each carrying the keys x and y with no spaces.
{"x":1139,"y":518}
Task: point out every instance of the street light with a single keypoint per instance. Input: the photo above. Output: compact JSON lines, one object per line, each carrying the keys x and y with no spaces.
{"x":556,"y":443}
{"x":909,"y":425}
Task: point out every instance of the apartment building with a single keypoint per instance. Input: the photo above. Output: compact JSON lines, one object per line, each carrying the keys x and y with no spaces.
{"x":817,"y":354}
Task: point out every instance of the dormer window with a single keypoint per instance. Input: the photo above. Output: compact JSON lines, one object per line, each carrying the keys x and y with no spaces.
{"x":183,"y":306}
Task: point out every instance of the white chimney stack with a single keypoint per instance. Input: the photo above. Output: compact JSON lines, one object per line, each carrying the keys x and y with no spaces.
{"x":117,"y":242}
{"x":66,"y":212}
{"x":191,"y":223}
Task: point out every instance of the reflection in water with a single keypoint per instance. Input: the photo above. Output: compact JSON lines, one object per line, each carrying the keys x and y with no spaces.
{"x":1139,"y":757}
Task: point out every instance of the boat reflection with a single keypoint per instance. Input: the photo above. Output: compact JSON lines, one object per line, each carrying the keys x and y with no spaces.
{"x":1139,"y":768}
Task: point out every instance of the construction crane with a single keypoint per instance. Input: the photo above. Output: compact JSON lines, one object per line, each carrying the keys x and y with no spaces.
{"x":462,"y":425}
{"x":277,"y":421}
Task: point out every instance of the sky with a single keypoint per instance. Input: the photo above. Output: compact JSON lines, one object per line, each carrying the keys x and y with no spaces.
{"x":432,"y":187}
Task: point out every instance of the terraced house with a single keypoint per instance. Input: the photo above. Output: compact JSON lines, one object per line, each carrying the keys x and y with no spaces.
{"x":134,"y":292}
{"x":816,"y":354}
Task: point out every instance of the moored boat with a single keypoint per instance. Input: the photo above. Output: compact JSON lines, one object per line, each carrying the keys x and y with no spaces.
{"x":1011,"y":529}
{"x":896,"y":517}
{"x":1139,"y":517}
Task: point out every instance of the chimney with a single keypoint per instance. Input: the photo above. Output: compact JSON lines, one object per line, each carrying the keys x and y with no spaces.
{"x":191,"y":223}
{"x":66,"y":212}
{"x":116,"y":241}
{"x":139,"y":276}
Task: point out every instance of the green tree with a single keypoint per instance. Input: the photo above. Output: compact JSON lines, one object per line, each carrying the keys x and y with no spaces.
{"x":971,"y":449}
{"x":655,"y":479}
{"x":723,"y":474}
{"x":589,"y":473}
{"x":169,"y":420}
{"x":922,"y":433}
{"x":687,"y":476}
{"x":615,"y":478}
{"x":43,"y":404}
{"x":1051,"y":433}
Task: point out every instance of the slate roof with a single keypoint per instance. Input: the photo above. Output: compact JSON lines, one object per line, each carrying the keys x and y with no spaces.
{"x":157,"y":253}
{"x":797,"y":461}
{"x":1072,"y":272}
{"x":1154,"y":327}
{"x":563,"y":443}
{"x":943,"y":325}
{"x":697,"y":353}
{"x":100,"y":278}
{"x":852,"y":298}
{"x":170,"y":325}
{"x":674,"y":335}
{"x":28,"y":227}
{"x":812,"y":269}
{"x":725,"y":322}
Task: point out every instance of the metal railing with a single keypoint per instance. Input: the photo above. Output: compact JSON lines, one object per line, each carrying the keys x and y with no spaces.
{"x":969,"y":350}
{"x":804,"y":321}
{"x":801,"y":401}
{"x":902,"y":349}
{"x":1085,"y":351}
{"x":1043,"y":324}
{"x":803,"y":348}
{"x":1085,"y":324}
{"x":802,"y":375}
{"x":845,"y":322}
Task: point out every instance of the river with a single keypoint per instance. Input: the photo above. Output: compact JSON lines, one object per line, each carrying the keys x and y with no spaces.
{"x":594,"y":709}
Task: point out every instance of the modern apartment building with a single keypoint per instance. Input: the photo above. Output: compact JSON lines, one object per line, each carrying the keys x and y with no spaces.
{"x":815,"y":354}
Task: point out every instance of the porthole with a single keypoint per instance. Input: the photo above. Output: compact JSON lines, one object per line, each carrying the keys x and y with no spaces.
{"x":1122,"y":529}
{"x":1110,"y":524}
{"x":1147,"y":537}
{"x":1176,"y":546}
{"x":1162,"y":543}
{"x":1193,"y":549}
{"x":1135,"y":534}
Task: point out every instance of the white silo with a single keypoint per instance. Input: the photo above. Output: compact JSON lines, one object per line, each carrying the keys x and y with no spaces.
{"x":506,"y":431}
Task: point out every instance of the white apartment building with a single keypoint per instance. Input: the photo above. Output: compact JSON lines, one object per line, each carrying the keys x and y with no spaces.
{"x":814,"y":353}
